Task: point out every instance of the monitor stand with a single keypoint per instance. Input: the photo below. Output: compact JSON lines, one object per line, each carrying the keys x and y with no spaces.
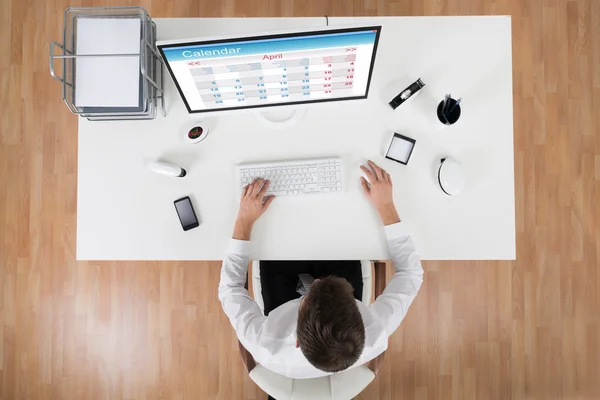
{"x":278,"y":118}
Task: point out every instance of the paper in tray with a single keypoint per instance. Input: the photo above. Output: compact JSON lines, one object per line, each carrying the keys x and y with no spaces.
{"x":108,"y":81}
{"x":116,"y":110}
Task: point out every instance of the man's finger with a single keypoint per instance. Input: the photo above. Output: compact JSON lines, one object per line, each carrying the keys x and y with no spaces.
{"x":252,"y":186}
{"x":387,"y":177}
{"x":365,"y":185}
{"x":376,"y":169}
{"x":369,"y":173}
{"x":249,"y":188}
{"x":258,"y":186}
{"x":264,"y":188}
{"x":268,"y":201}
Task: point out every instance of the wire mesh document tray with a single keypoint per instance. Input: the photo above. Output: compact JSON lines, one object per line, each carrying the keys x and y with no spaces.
{"x":110,"y":67}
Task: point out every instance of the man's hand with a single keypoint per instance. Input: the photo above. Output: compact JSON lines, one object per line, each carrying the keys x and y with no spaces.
{"x":379,"y":192}
{"x":254,"y":203}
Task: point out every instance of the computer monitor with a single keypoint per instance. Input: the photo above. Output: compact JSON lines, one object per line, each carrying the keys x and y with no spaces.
{"x":272,"y":70}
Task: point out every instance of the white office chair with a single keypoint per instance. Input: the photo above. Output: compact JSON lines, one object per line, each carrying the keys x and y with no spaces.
{"x":341,"y":386}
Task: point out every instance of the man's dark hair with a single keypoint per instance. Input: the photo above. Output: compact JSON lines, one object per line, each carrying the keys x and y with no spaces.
{"x":331,"y":333}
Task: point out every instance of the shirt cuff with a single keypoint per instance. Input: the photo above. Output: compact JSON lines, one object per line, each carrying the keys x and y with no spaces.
{"x":395,"y":231}
{"x":239,"y":247}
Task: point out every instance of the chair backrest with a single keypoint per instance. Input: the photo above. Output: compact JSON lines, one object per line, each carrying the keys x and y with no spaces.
{"x":341,"y":386}
{"x":367,"y":275}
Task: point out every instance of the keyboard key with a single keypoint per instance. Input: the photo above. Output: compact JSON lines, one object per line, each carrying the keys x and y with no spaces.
{"x":278,"y":193}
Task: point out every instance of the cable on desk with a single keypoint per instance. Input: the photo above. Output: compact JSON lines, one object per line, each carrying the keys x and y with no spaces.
{"x":327,"y":20}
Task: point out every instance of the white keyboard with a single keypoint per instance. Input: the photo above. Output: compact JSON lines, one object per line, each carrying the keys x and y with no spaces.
{"x":294,"y":178}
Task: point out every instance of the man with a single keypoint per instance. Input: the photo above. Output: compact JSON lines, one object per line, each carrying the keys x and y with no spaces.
{"x":328,"y":329}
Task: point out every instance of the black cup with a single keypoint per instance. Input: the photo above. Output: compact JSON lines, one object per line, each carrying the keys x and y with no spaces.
{"x":450,"y":117}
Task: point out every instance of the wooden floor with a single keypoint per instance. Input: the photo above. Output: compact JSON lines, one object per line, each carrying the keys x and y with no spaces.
{"x":150,"y":330}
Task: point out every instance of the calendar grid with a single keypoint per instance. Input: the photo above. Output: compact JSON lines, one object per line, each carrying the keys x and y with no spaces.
{"x":293,"y":79}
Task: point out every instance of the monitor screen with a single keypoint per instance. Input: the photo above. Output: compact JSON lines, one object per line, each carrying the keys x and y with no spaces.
{"x":281,"y":69}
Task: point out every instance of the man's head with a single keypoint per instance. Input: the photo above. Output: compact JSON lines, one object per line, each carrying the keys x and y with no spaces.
{"x":331,"y":333}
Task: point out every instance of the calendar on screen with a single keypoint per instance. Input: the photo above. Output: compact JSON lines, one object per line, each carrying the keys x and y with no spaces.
{"x":272,"y":70}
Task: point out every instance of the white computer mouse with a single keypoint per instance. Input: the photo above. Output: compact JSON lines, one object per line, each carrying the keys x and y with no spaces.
{"x":363,"y":173}
{"x":451,"y":176}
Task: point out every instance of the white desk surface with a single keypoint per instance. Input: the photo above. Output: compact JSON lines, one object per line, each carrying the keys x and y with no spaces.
{"x":126,"y":212}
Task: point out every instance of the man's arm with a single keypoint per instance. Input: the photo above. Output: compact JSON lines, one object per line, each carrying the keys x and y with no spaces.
{"x":241,"y":309}
{"x":391,"y":306}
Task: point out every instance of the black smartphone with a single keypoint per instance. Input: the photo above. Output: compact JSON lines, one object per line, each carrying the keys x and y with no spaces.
{"x":186,"y":213}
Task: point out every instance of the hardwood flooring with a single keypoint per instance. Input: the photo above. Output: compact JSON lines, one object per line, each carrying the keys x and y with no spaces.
{"x":528,"y":329}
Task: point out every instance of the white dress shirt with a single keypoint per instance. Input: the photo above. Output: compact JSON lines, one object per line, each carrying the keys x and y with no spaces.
{"x":272,"y":340}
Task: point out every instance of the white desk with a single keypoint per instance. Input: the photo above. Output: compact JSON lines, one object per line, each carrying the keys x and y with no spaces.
{"x":126,"y":212}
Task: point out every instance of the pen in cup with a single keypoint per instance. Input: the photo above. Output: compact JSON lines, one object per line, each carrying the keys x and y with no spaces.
{"x":455,"y":105}
{"x":445,"y":106}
